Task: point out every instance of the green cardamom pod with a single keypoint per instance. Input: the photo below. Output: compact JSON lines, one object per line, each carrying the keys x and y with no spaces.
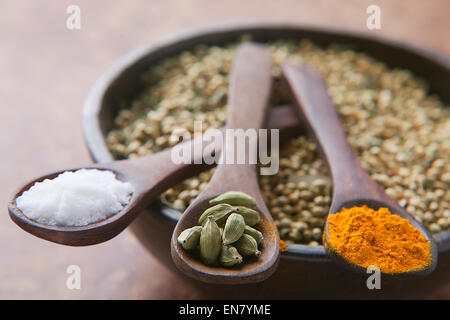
{"x":251,"y":216}
{"x":234,"y":228}
{"x":210,"y":241}
{"x":229,"y":256}
{"x":190,"y":238}
{"x":220,"y":213}
{"x":235,"y":198}
{"x":257,"y":235}
{"x":247,"y":246}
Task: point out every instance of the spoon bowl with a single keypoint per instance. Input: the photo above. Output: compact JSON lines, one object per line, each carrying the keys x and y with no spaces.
{"x":253,"y":269}
{"x":149,"y":176}
{"x":394,"y":208}
{"x":352,"y":184}
{"x":77,"y":235}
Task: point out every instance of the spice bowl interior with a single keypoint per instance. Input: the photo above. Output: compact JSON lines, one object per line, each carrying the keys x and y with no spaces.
{"x":304,"y":271}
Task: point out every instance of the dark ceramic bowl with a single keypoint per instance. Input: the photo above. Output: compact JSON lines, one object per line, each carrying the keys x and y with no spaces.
{"x":304,"y":272}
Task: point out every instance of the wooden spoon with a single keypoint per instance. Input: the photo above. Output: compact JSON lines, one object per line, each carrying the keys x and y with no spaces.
{"x":150,"y":175}
{"x":352,"y":184}
{"x":249,"y":93}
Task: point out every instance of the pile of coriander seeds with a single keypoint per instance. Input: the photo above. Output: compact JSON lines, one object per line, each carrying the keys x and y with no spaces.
{"x":399,"y":131}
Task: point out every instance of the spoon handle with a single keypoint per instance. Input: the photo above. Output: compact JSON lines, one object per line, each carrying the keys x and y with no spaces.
{"x":249,"y":88}
{"x":310,"y":94}
{"x":155,"y":173}
{"x":248,"y":102}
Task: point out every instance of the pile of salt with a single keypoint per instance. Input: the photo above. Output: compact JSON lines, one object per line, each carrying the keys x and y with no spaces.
{"x":75,"y":198}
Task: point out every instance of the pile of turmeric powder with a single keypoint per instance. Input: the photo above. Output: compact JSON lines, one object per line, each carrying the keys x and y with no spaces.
{"x":368,"y":237}
{"x":283,"y":246}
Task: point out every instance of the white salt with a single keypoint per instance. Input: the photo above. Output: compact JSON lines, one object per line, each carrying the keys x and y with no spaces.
{"x":75,"y":198}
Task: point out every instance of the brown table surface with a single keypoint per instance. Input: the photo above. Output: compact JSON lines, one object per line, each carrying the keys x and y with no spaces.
{"x":46,"y":72}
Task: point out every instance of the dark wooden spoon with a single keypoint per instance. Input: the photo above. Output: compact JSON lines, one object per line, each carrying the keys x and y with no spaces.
{"x":249,"y":93}
{"x":352,"y":185}
{"x":150,"y":175}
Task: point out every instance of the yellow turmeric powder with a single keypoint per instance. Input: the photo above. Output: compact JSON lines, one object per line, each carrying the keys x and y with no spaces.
{"x":283,"y":246}
{"x":368,"y":237}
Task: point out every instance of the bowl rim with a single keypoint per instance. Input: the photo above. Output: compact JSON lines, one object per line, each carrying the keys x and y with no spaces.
{"x":93,"y":103}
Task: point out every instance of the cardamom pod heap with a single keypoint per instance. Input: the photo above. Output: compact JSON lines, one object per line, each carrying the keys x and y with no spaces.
{"x":210,"y":241}
{"x":226,"y":232}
